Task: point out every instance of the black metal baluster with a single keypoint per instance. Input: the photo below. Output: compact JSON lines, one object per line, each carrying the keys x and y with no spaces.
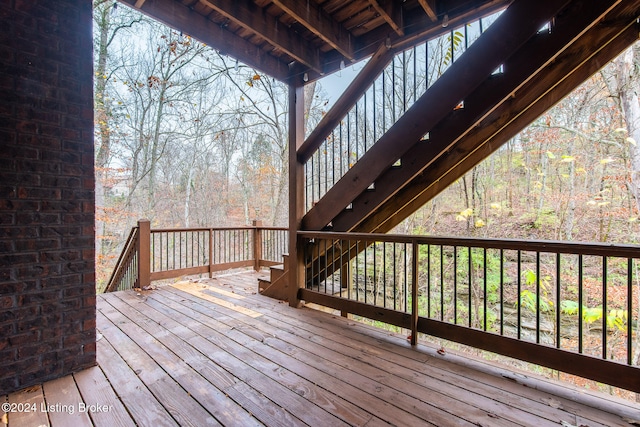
{"x":580,"y":299}
{"x":384,"y":274}
{"x":604,"y":307}
{"x":484,"y":274}
{"x":501,"y":291}
{"x":519,"y":281}
{"x":428,"y":279}
{"x":558,"y":302}
{"x":395,"y":285}
{"x":538,"y":297}
{"x":441,"y":282}
{"x":629,"y":311}
{"x":455,"y":285}
{"x":470,"y":272}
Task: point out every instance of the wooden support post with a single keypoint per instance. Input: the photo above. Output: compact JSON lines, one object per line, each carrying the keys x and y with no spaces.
{"x":296,"y":190}
{"x":257,"y":244}
{"x":144,"y":253}
{"x":414,"y":293}
{"x":210,"y":253}
{"x":346,"y":280}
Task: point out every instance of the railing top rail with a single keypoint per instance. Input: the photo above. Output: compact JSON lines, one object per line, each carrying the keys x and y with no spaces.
{"x":193,"y":229}
{"x":578,"y":248}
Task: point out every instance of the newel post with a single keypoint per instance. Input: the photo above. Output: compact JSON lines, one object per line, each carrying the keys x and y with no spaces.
{"x":257,"y":244}
{"x":144,"y":253}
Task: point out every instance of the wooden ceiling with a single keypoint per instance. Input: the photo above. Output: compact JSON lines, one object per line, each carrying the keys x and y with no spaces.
{"x":285,"y":38}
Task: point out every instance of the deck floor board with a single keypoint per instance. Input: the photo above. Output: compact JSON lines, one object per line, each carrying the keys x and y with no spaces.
{"x":213,"y":352}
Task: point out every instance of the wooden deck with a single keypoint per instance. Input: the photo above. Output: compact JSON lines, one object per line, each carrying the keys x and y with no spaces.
{"x":215,"y":353}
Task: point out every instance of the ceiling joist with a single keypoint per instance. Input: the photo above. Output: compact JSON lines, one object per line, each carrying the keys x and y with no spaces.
{"x":390,"y":13}
{"x":429,"y":7}
{"x":245,"y":14}
{"x":313,"y":18}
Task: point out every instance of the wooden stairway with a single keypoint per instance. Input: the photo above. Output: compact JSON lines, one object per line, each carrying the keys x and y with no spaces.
{"x":405,"y":169}
{"x":540,"y":67}
{"x":276,"y":285}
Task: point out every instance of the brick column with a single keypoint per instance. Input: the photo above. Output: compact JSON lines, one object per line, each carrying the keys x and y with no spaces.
{"x":47,"y":273}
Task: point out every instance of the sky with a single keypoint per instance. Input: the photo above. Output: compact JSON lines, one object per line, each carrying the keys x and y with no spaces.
{"x":335,"y":84}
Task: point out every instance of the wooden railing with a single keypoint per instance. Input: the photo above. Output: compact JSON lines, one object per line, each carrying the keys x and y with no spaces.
{"x":572,"y":307}
{"x":156,"y":254}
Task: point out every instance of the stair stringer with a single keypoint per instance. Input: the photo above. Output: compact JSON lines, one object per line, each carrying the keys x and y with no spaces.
{"x":277,"y":286}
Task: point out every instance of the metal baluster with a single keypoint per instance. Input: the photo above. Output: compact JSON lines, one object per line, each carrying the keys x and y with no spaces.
{"x":469,"y":300}
{"x":538,"y":297}
{"x":629,"y":311}
{"x":580,"y":299}
{"x":604,"y":307}
{"x":484,"y":273}
{"x":384,"y":273}
{"x":519,"y":272}
{"x":558,"y":302}
{"x":428,"y":278}
{"x":455,"y":285}
{"x":395,"y":285}
{"x":441,"y":282}
{"x":501,"y":291}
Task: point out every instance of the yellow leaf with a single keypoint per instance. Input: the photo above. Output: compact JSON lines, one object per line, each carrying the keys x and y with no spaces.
{"x":460,"y":218}
{"x":606,"y":161}
{"x":633,"y":219}
{"x":256,"y":77}
{"x":479,"y":223}
{"x":550,"y":155}
{"x":620,"y":130}
{"x":496,"y":206}
{"x":631,"y":141}
{"x":567,"y":159}
{"x":467,"y":212}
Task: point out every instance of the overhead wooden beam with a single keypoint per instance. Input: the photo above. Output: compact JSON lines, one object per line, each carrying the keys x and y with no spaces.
{"x":183,"y":18}
{"x":521,"y":21}
{"x":429,"y":7}
{"x":390,"y":13}
{"x":347,"y":100}
{"x":247,"y":15}
{"x":521,"y":67}
{"x":500,"y":126}
{"x":312,"y":17}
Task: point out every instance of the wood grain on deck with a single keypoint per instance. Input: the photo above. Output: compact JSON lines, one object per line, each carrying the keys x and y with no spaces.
{"x":215,"y":353}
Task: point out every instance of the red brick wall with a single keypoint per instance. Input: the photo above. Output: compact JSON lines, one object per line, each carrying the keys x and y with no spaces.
{"x":47,"y":275}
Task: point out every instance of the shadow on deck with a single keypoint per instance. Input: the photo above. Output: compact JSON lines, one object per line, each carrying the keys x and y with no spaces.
{"x":216,"y":353}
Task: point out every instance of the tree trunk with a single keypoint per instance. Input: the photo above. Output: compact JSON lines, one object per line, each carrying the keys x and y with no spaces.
{"x":628,"y":83}
{"x":102,"y":119}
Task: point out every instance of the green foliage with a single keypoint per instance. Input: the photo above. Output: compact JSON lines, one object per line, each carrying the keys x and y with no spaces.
{"x":529,"y":300}
{"x":615,"y":319}
{"x":456,"y":40}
